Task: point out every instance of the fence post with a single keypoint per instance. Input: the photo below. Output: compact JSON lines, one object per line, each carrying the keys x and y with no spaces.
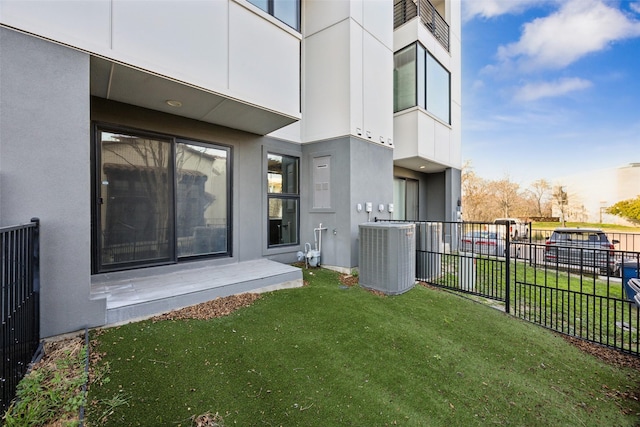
{"x":5,"y":383}
{"x":507,"y":271}
{"x":35,"y":259}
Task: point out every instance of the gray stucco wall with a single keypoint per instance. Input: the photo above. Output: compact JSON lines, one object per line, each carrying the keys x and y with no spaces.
{"x":454,"y":194}
{"x":46,"y":115}
{"x":249,"y":163}
{"x":438,"y":193}
{"x":45,"y":170}
{"x":361,"y":172}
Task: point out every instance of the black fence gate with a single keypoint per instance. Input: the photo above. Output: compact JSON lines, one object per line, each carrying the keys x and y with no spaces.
{"x":19,"y":304}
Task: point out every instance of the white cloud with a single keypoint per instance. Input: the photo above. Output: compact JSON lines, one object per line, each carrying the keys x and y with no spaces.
{"x":578,"y":28}
{"x":635,"y":6}
{"x":534,"y":91}
{"x":493,"y":8}
{"x":477,"y":85}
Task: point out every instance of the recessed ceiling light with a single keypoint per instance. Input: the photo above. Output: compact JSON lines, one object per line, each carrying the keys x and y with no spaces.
{"x":173,"y":103}
{"x":422,"y":167}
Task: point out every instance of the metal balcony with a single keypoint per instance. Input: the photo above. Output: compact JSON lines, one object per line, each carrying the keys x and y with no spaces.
{"x":406,"y":10}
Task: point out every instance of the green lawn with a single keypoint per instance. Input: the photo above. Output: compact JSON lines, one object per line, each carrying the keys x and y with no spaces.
{"x":327,"y":355}
{"x":588,"y":306}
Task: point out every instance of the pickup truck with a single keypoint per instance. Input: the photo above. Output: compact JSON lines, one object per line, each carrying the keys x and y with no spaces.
{"x":517,"y":228}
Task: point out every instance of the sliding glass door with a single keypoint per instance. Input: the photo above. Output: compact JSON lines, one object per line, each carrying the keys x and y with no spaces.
{"x":405,"y":199}
{"x":158,"y":199}
{"x":202,"y":199}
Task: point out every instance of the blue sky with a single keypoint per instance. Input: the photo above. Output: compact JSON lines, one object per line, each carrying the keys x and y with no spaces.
{"x":550,"y":88}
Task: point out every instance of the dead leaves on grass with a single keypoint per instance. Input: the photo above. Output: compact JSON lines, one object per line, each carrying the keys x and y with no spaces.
{"x":211,"y":309}
{"x":207,"y":420}
{"x":350,"y":280}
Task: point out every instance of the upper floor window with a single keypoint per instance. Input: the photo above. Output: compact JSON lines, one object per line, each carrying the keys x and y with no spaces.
{"x":419,"y":79}
{"x":287,"y":11}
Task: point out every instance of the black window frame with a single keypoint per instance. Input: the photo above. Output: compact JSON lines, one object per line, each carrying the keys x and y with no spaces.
{"x":96,"y":236}
{"x":271,"y":10}
{"x":421,"y":82}
{"x":285,"y":197}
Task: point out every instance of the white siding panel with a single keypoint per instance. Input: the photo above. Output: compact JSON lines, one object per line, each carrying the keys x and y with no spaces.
{"x":317,"y":16}
{"x":418,"y":134}
{"x":405,"y":135}
{"x":291,"y":133}
{"x":81,"y":23}
{"x":456,"y":138}
{"x":356,"y":10}
{"x":455,"y":69}
{"x":405,"y":35}
{"x":426,"y":138}
{"x":264,"y":61}
{"x":434,"y":47}
{"x":442,"y":135}
{"x":183,"y":39}
{"x":378,"y":20}
{"x":377,"y":89}
{"x":356,"y":102}
{"x":217,"y":45}
{"x":327,"y":83}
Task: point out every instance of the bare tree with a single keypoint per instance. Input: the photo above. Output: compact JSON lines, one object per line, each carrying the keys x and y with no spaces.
{"x":506,"y":194}
{"x":539,"y":192}
{"x":475,"y":193}
{"x":485,"y":200}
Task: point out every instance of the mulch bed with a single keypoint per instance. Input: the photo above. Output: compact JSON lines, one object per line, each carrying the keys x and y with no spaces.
{"x":208,"y":310}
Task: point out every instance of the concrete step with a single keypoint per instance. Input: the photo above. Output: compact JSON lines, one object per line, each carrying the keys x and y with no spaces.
{"x":138,"y":294}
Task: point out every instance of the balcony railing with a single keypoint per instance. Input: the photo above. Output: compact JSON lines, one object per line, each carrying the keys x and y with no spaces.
{"x":406,"y":10}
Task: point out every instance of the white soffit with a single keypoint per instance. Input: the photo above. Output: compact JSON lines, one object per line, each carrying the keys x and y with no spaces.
{"x":129,"y":85}
{"x":420,"y":164}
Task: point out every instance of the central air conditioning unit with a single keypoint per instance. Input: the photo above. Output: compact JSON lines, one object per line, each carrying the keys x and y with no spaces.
{"x":387,"y":257}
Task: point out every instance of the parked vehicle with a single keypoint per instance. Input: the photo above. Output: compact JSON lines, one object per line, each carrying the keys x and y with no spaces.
{"x":517,"y":228}
{"x":589,"y":247}
{"x":483,"y":243}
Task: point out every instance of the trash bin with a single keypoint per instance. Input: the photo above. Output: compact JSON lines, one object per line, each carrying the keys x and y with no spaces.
{"x":630,"y":271}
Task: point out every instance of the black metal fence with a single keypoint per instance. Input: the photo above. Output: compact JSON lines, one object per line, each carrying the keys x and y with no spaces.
{"x":19,"y":304}
{"x":582,"y":295}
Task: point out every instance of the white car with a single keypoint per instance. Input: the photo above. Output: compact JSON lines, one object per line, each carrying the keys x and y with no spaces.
{"x":483,"y":243}
{"x":517,"y":228}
